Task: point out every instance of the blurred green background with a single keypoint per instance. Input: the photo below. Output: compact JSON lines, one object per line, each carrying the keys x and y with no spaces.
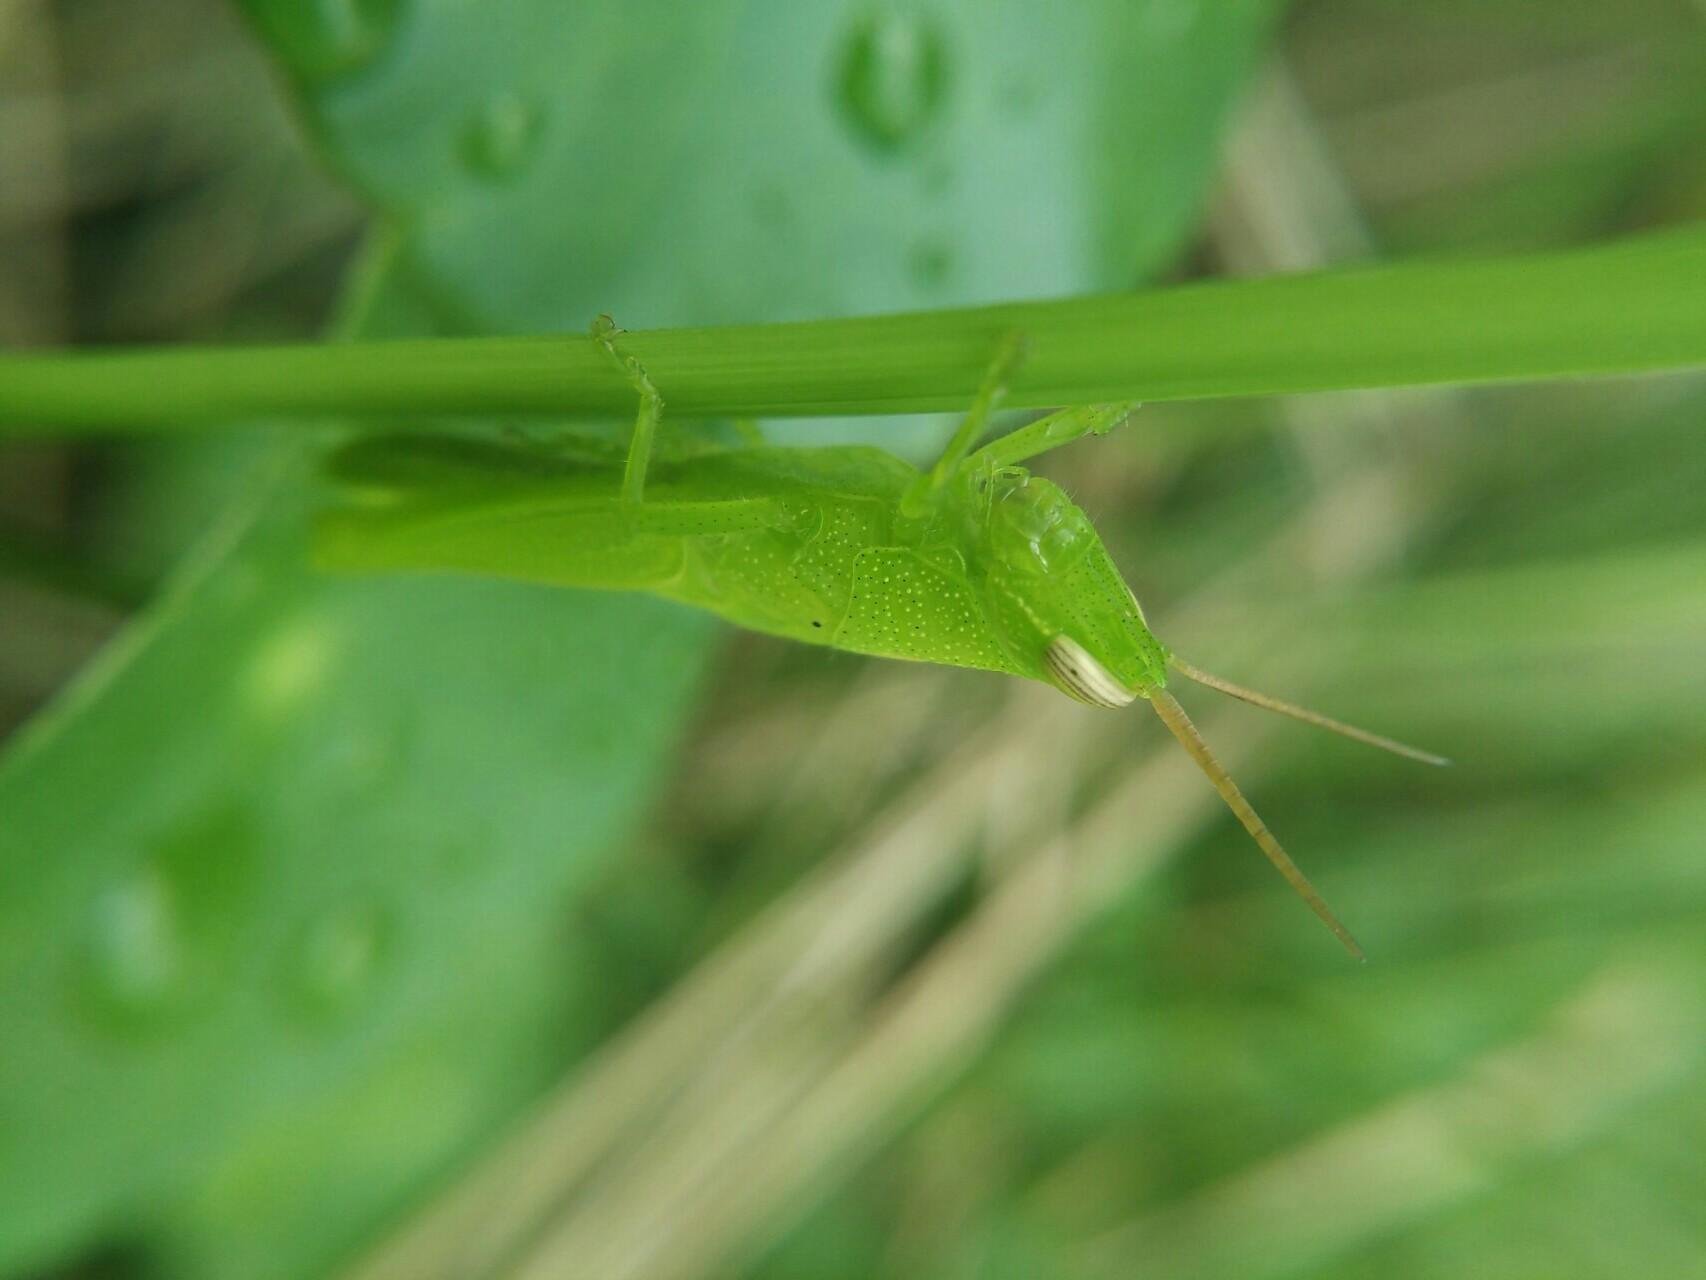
{"x":423,"y":928}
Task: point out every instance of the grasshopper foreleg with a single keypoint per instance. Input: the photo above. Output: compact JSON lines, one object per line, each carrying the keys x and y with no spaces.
{"x":604,"y":333}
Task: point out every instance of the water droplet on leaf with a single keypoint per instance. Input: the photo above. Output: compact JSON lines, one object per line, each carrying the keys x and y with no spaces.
{"x":893,"y":77}
{"x":132,"y":970}
{"x":502,"y":137}
{"x":327,"y":38}
{"x":158,"y":942}
{"x":290,"y":666}
{"x":931,"y":263}
{"x":337,"y":959}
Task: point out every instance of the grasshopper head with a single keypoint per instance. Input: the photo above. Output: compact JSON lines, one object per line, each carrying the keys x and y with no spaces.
{"x":1063,"y":610}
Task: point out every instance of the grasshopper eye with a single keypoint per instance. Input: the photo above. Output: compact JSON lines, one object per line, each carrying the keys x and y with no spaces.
{"x":1037,"y":526}
{"x":1061,"y":544}
{"x":1081,"y":676}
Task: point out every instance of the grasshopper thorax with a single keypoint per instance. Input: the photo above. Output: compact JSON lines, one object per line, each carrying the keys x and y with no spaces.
{"x":1060,"y":607}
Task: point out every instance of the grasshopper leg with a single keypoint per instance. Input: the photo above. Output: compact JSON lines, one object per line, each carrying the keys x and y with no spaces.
{"x":604,"y":333}
{"x":989,"y":396}
{"x":1052,"y":432}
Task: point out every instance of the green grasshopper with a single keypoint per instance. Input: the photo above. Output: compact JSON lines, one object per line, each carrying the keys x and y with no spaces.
{"x":973,"y":563}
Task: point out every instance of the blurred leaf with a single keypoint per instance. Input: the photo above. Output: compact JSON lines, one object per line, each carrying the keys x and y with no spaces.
{"x":287,"y":876}
{"x":271,"y":870}
{"x":725,"y":161}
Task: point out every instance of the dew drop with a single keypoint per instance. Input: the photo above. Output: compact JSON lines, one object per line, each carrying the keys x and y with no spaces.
{"x":330,"y":38}
{"x":502,"y":137}
{"x":157,"y":943}
{"x":132,"y":970}
{"x":931,"y":263}
{"x":290,"y":666}
{"x":336,"y":961}
{"x":893,"y":77}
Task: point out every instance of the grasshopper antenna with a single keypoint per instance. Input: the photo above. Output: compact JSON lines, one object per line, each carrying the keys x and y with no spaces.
{"x":1174,"y":717}
{"x":1302,"y":713}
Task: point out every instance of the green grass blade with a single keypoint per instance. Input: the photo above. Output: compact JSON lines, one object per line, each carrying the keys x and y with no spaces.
{"x":1627,"y":307}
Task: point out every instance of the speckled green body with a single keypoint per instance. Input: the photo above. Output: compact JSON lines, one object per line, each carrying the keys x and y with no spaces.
{"x":975,"y":563}
{"x":836,"y":546}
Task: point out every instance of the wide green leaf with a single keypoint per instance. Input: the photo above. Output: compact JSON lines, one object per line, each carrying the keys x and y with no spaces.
{"x":731,"y":160}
